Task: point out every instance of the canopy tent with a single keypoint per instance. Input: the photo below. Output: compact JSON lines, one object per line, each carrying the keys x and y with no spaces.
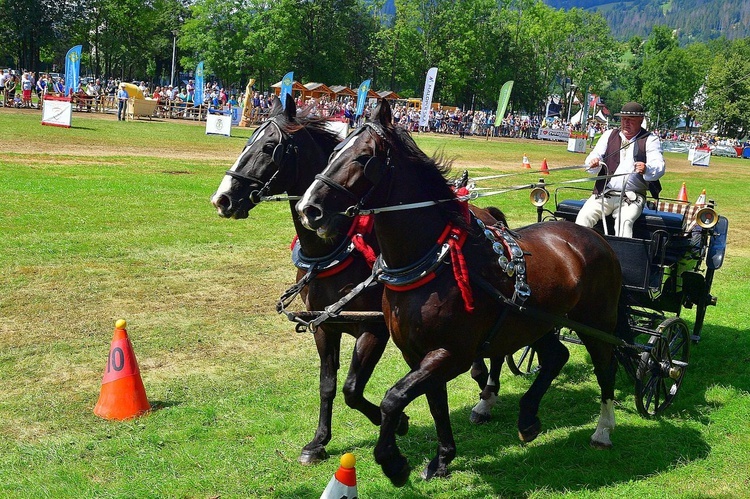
{"x":576,"y":118}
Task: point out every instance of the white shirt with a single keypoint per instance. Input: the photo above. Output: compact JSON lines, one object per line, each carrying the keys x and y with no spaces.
{"x":654,"y":163}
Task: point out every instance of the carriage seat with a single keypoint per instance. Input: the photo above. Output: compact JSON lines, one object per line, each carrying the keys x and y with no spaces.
{"x":668,"y":217}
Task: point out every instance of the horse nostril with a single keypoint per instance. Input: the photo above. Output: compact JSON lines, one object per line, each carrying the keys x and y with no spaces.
{"x":221,"y":201}
{"x":312,"y":213}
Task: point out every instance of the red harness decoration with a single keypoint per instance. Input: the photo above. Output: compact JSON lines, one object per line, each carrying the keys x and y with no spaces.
{"x":455,"y":237}
{"x":363,"y":224}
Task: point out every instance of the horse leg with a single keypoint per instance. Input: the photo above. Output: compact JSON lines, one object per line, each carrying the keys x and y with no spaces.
{"x":552,"y":357}
{"x":446,"y":449}
{"x":328,"y":344}
{"x":418,"y":382}
{"x":367,"y":352}
{"x":482,"y":412}
{"x":605,"y":369}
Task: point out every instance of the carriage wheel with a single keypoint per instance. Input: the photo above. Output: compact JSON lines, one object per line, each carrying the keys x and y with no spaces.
{"x":523,"y":362}
{"x":662,"y":367}
{"x":702,"y":305}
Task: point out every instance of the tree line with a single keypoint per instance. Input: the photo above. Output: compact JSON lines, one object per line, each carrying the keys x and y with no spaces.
{"x":477,"y":45}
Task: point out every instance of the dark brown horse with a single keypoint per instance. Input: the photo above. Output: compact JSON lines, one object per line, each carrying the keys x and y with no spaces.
{"x":284,"y":155}
{"x":483,"y":307}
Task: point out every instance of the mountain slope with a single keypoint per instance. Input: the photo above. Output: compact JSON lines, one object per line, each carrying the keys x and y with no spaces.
{"x":694,"y":20}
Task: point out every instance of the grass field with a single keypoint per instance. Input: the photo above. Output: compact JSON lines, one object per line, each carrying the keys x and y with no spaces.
{"x":111,"y":220}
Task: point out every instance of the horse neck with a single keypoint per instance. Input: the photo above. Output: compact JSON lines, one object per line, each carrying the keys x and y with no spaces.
{"x":311,"y":160}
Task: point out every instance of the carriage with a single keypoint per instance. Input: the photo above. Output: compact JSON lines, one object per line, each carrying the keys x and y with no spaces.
{"x":668,"y":265}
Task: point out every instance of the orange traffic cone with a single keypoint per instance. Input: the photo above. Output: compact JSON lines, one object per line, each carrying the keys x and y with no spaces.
{"x":343,"y":485}
{"x":683,"y":193}
{"x":526,"y":163}
{"x":545,"y":169}
{"x":122,"y":395}
{"x":701,"y":199}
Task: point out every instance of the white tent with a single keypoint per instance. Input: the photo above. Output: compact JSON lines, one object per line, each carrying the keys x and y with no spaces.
{"x":576,"y":118}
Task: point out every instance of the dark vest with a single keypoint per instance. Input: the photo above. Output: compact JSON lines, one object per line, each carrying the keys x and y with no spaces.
{"x":612,"y":159}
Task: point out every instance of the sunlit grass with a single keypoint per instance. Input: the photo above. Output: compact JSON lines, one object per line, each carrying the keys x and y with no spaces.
{"x":90,"y":237}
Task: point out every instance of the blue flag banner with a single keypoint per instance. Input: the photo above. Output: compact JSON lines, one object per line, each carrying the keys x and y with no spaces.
{"x":198,"y":98}
{"x":286,"y":87}
{"x":72,"y":69}
{"x":364,"y":88}
{"x":429,"y":88}
{"x":502,"y":102}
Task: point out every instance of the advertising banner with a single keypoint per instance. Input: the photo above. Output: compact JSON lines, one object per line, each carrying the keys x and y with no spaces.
{"x":286,"y":87}
{"x":429,"y":88}
{"x":72,"y":69}
{"x":57,"y":111}
{"x":364,"y":88}
{"x":219,"y":124}
{"x":502,"y":102}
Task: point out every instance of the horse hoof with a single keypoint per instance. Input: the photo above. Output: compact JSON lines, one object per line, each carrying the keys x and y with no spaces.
{"x":312,"y":456}
{"x":433,"y":470}
{"x":400,"y":475}
{"x":529,"y":433}
{"x":403,"y":425}
{"x":479,"y":418}
{"x":600,"y":445}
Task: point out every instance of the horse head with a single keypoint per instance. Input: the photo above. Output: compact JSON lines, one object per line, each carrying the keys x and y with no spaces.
{"x":357,"y":167}
{"x":263,"y":167}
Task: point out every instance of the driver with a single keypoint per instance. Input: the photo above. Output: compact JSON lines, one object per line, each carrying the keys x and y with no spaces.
{"x":632,"y":156}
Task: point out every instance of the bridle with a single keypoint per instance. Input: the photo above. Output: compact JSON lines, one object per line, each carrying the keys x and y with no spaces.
{"x":374,"y":170}
{"x":284,"y":148}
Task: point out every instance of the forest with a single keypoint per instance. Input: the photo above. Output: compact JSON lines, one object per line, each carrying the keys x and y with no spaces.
{"x":477,"y":45}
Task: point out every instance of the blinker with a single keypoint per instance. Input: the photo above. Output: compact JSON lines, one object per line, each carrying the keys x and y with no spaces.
{"x":278,"y":155}
{"x":374,"y":170}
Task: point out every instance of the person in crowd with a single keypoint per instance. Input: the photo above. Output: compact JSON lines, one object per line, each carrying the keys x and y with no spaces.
{"x":591,"y":133}
{"x":122,"y":102}
{"x":632,"y":160}
{"x":26,"y":86}
{"x":10,"y":90}
{"x":4,"y":77}
{"x":95,"y":91}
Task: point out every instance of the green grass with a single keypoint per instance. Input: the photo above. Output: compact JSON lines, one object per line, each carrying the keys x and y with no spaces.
{"x":117,"y":224}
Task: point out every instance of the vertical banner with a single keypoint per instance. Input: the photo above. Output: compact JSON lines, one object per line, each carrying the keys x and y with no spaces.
{"x":286,"y":87}
{"x":72,"y":69}
{"x":199,"y":85}
{"x":364,"y":88}
{"x":502,"y":102}
{"x":429,"y":88}
{"x":585,"y":110}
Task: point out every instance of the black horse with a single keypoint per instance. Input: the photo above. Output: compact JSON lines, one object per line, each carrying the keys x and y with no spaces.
{"x":499,"y":297}
{"x":284,"y":155}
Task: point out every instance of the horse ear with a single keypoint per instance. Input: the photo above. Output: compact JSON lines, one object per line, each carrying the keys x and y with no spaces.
{"x":290,"y":108}
{"x":276,"y":108}
{"x":382,"y":113}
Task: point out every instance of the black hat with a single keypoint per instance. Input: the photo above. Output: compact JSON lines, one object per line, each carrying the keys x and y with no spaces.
{"x":632,"y":109}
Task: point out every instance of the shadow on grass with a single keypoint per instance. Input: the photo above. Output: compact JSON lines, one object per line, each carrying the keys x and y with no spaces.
{"x":560,"y":459}
{"x":157,"y":405}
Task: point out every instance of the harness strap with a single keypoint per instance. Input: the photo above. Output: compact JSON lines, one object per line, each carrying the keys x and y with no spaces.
{"x":557,"y":320}
{"x":334,"y":309}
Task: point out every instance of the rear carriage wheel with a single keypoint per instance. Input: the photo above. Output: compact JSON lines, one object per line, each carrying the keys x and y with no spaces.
{"x":662,"y":367}
{"x":523,"y":362}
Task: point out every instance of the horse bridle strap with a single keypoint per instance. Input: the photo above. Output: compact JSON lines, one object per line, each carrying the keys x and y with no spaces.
{"x":284,"y":147}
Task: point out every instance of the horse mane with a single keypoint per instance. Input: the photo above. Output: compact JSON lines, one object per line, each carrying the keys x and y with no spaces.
{"x":433,"y":176}
{"x":316,"y":126}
